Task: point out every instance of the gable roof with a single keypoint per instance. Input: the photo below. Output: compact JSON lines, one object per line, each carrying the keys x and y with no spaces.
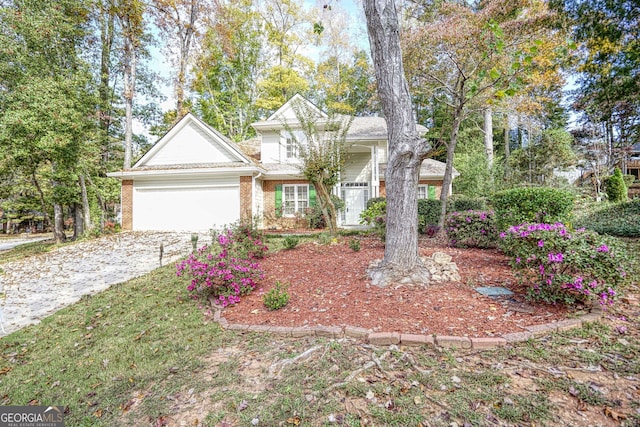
{"x":192,"y":142}
{"x":288,"y":108}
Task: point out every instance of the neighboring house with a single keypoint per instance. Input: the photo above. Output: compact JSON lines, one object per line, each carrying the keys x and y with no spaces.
{"x":632,"y":163}
{"x":195,"y":179}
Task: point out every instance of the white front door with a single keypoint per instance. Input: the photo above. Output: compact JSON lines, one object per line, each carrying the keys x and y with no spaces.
{"x":355,"y":199}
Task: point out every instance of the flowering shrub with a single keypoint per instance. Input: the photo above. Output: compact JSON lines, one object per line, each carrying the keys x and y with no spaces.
{"x":244,"y":240}
{"x":564,"y":266}
{"x":472,"y":229}
{"x":225,"y":270}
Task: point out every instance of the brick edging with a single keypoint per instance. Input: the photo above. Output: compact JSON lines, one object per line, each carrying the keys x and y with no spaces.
{"x":388,"y":338}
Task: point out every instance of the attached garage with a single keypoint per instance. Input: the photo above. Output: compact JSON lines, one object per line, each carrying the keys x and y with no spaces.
{"x":186,"y":205}
{"x":192,"y":179}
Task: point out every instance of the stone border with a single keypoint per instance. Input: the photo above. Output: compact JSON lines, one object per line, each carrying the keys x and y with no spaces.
{"x":397,"y":338}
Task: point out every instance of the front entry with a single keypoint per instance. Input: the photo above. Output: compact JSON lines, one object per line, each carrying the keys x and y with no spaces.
{"x":355,"y":196}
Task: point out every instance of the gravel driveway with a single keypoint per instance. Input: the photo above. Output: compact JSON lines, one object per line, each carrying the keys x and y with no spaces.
{"x":36,"y":287}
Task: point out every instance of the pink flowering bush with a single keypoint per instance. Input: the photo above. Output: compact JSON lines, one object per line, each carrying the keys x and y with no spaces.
{"x":226,"y":270}
{"x":565,"y":266}
{"x":472,"y":229}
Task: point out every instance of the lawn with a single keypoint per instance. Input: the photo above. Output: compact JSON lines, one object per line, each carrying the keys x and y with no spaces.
{"x":143,"y":353}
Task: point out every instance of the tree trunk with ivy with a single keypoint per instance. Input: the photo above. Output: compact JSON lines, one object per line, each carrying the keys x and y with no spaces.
{"x":401,"y":262}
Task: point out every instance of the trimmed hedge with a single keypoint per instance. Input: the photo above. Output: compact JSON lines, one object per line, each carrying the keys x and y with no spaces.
{"x":532,"y":205}
{"x":615,"y":187}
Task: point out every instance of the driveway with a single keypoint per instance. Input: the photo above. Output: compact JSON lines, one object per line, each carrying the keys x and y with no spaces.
{"x":36,"y":287}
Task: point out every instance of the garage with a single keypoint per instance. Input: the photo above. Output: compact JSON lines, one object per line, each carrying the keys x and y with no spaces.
{"x":185,"y":205}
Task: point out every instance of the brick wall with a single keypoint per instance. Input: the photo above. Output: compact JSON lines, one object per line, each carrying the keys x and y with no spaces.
{"x":270,"y":218}
{"x":246,"y":199}
{"x":127,"y":204}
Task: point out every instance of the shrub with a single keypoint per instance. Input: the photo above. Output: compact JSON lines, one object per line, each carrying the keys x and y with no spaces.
{"x":615,"y":187}
{"x":628,"y":180}
{"x":472,"y":229}
{"x":621,"y":219}
{"x":245,"y":241}
{"x":376,"y":216}
{"x":277,"y":297}
{"x":563,"y":266}
{"x":291,"y":242}
{"x":354,"y":244}
{"x":429,"y":211}
{"x":375,"y":200}
{"x":217,"y":270}
{"x":313,"y":214}
{"x":464,"y":203}
{"x":531,"y":205}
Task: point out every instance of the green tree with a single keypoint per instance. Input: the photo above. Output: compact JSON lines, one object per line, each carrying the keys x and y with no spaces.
{"x":465,"y":55}
{"x":228,"y":68}
{"x":46,"y":126}
{"x":608,"y":67}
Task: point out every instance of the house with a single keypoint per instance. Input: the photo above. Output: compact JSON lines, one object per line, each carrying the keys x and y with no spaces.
{"x":195,"y":179}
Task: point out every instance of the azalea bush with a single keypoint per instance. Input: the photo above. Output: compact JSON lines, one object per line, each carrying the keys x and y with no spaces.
{"x":225,"y":270}
{"x":472,"y":229}
{"x":565,"y":266}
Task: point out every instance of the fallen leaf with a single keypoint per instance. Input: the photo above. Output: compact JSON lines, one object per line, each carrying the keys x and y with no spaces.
{"x":294,"y":420}
{"x":243,"y":405}
{"x":616,"y":416}
{"x":98,"y":413}
{"x":417,"y":400}
{"x":5,"y":370}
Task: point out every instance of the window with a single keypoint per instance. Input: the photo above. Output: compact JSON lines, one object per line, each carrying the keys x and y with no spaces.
{"x":426,"y":192}
{"x":295,"y":199}
{"x":423,"y":192}
{"x":292,"y":150}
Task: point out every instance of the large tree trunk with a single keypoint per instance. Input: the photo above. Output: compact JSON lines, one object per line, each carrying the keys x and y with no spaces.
{"x":401,"y":262}
{"x":58,"y":224}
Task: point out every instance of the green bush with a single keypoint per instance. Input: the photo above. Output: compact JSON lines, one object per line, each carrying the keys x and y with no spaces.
{"x":564,"y":266}
{"x":532,"y":205}
{"x":354,"y":244}
{"x":291,"y":242}
{"x":277,"y":297}
{"x":428,"y":213}
{"x":628,"y":180}
{"x":472,"y":229}
{"x":375,"y":200}
{"x":620,"y":219}
{"x":376,"y":215}
{"x":313,"y":214}
{"x":615,"y":187}
{"x":458,"y":203}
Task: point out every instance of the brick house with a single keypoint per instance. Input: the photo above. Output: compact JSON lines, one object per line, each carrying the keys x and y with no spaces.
{"x":195,"y":179}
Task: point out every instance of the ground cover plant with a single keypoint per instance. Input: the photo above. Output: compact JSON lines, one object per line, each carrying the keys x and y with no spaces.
{"x":614,"y":219}
{"x":144,"y":353}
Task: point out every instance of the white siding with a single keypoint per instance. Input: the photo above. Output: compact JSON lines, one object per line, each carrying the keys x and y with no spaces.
{"x":271,"y":148}
{"x":191,"y":145}
{"x":358,"y":168}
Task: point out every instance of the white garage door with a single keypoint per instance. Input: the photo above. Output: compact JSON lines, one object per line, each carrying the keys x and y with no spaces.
{"x":184,"y":205}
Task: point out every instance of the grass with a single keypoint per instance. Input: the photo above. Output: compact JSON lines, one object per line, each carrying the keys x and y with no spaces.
{"x":142,"y":353}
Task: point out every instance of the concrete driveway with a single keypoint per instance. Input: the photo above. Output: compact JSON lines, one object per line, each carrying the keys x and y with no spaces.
{"x":36,"y":287}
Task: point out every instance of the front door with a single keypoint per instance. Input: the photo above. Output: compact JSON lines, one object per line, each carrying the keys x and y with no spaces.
{"x":355,"y":199}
